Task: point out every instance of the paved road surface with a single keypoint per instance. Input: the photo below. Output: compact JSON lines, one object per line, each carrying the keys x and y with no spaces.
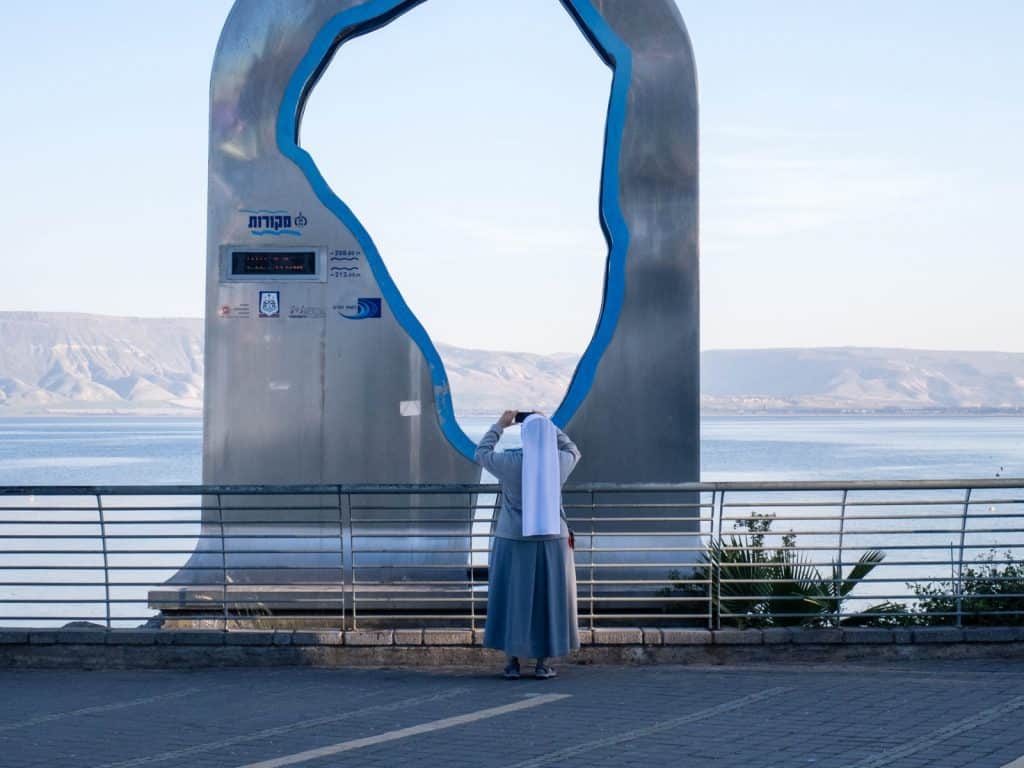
{"x":935,"y":714}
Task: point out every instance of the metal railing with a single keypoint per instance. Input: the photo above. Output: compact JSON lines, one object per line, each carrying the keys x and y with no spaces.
{"x":699,"y":554}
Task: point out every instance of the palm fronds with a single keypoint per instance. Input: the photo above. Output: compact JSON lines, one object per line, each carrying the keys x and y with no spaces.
{"x":756,"y":586}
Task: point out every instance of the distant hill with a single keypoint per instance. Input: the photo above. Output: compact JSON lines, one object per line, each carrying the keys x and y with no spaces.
{"x":860,"y":379}
{"x":485,"y":382}
{"x":76,"y":363}
{"x":63,"y":362}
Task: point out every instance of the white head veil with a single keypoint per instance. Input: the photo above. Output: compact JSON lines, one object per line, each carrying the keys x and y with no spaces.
{"x":542,"y":481}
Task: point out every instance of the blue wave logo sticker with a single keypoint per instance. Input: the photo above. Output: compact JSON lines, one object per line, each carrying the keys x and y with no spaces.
{"x":265,"y":222}
{"x":362,"y":309}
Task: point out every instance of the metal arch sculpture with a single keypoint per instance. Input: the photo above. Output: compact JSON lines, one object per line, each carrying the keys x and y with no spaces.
{"x":321,"y":374}
{"x":366,"y":18}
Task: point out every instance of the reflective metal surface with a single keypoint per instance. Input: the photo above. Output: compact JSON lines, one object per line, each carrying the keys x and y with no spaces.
{"x":333,"y":380}
{"x":640,"y":420}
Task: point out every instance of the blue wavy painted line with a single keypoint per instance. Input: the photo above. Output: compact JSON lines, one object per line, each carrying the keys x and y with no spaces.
{"x":261,"y":210}
{"x":265,"y":232}
{"x":377,"y":13}
{"x":618,"y":56}
{"x":344,"y":258}
{"x":345,"y":269}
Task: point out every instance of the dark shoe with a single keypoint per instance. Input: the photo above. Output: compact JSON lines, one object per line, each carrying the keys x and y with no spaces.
{"x":511,"y":671}
{"x":544,"y":672}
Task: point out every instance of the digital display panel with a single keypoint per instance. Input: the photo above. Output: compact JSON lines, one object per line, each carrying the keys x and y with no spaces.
{"x":273,"y":263}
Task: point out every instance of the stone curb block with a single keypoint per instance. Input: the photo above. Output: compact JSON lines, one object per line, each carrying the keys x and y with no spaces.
{"x":190,"y":637}
{"x":647,"y":637}
{"x":325,"y":637}
{"x":817,"y":637}
{"x":938,"y":635}
{"x":82,"y":637}
{"x":652,"y":636}
{"x":447,"y":637}
{"x":686,"y":636}
{"x":777,"y":635}
{"x":625,"y":636}
{"x":369,"y":637}
{"x":249,"y":637}
{"x":737,"y":637}
{"x":408,"y":637}
{"x":991,"y":634}
{"x":867,"y":636}
{"x":132,"y":637}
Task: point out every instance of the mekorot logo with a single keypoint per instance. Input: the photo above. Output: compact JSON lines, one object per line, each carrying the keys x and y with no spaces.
{"x":361,"y":309}
{"x":265,"y":222}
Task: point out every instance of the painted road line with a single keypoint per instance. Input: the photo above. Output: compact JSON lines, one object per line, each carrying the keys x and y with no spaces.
{"x":639,"y":733}
{"x":405,"y":733}
{"x":96,"y":710}
{"x":266,"y":733}
{"x":942,"y":734}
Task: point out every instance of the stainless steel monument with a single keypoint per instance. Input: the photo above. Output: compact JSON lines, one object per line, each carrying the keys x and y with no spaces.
{"x":316,"y":369}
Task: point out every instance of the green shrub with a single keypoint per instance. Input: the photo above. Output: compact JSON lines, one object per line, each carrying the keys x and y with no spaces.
{"x":992,"y":584}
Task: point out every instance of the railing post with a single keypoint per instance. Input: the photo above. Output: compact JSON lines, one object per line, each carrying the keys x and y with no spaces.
{"x":223,"y":564}
{"x":716,"y":566}
{"x":106,"y":561}
{"x":341,"y":551}
{"x":593,"y":527}
{"x":960,"y":561}
{"x":839,"y":580}
{"x":348,"y":576}
{"x":472,"y":565}
{"x":709,"y":588}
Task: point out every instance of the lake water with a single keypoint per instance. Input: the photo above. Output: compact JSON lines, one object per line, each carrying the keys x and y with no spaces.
{"x":126,"y":450}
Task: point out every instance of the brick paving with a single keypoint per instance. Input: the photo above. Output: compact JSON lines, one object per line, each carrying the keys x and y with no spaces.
{"x":940,"y":714}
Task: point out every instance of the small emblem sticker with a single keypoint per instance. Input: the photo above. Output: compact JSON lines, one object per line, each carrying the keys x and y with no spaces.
{"x":270,"y":303}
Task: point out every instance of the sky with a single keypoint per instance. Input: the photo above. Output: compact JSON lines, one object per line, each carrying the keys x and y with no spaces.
{"x":861,"y":166}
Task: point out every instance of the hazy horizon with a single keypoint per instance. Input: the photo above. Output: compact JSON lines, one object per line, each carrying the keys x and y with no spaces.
{"x":557,"y":353}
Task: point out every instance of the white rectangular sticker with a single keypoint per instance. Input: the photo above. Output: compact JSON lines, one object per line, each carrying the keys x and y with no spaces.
{"x":410,"y":408}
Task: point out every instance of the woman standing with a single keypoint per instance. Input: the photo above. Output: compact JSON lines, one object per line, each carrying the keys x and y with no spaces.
{"x":531,"y":597}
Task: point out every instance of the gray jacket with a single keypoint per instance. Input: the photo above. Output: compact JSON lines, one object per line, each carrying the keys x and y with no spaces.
{"x":507,"y":466}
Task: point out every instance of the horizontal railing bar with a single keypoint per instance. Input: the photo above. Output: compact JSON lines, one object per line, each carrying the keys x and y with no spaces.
{"x":170,"y":551}
{"x":366,"y":551}
{"x":638,"y":519}
{"x":871,"y":532}
{"x":228,"y":536}
{"x":813,"y":547}
{"x":465,"y":518}
{"x":838,"y":503}
{"x":851,"y":518}
{"x":455,"y":488}
{"x":161,"y":536}
{"x":464,"y":565}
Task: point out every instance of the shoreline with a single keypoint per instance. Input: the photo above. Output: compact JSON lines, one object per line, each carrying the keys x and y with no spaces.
{"x":705,"y":413}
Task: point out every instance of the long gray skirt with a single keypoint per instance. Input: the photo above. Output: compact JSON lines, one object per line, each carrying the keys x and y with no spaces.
{"x":531,"y":598}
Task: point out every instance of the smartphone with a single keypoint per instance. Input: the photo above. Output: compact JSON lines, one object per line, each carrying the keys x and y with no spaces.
{"x":521,"y":416}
